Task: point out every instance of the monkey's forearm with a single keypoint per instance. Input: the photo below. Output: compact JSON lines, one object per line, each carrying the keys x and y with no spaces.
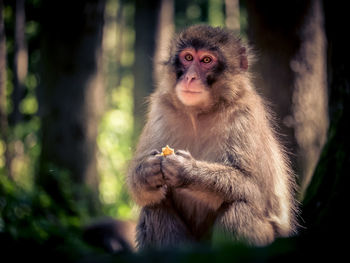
{"x":229,"y":183}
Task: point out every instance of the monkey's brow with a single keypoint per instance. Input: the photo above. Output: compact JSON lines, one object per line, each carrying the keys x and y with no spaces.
{"x":196,"y":43}
{"x":212,"y":49}
{"x":205,"y":47}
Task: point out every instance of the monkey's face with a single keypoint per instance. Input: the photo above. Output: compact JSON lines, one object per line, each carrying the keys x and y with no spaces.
{"x":192,"y":85}
{"x":206,"y":67}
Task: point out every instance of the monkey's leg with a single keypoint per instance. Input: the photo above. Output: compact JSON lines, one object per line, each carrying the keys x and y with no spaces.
{"x":242,"y":222}
{"x":160,"y":226}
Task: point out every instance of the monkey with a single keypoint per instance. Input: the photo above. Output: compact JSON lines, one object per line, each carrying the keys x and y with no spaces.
{"x":229,"y":176}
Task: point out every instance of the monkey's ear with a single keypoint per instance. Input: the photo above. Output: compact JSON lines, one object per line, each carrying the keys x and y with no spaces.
{"x":244,"y":58}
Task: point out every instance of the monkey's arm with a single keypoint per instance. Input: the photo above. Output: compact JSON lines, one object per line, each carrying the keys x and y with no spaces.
{"x":225,"y":183}
{"x":230,"y":183}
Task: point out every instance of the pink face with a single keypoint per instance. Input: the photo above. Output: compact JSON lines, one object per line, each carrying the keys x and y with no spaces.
{"x":191,"y":88}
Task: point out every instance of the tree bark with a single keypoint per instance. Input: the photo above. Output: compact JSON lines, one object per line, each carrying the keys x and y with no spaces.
{"x":71,"y":94}
{"x":146,"y":19}
{"x":232,"y":15}
{"x":120,"y":17}
{"x":291,"y":46}
{"x":327,"y":196}
{"x":164,"y":34}
{"x":20,"y":61}
{"x":4,"y":129}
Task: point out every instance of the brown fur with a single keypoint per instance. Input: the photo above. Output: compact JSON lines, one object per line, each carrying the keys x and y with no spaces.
{"x":229,"y":172}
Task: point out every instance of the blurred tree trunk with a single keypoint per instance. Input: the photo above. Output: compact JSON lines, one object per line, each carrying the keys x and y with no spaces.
{"x":120,"y":17}
{"x":71,"y":95}
{"x":3,"y":72}
{"x":164,"y":34}
{"x":232,"y":15}
{"x":146,"y":19}
{"x":20,"y":61}
{"x":290,"y":42}
{"x":326,"y":200}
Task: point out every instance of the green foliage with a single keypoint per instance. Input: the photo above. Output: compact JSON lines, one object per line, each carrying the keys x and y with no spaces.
{"x":32,"y":224}
{"x":23,"y":137}
{"x":115,"y":140}
{"x":243,"y":20}
{"x":115,"y":135}
{"x":33,"y":215}
{"x":75,"y":198}
{"x":190,"y":12}
{"x":26,"y":148}
{"x":216,"y":13}
{"x":27,"y":212}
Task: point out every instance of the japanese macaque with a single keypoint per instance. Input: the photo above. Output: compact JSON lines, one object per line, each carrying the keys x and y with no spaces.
{"x":229,"y":175}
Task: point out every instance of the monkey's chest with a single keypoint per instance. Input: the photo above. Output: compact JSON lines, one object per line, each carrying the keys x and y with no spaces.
{"x":204,"y":142}
{"x":195,"y":212}
{"x":200,"y":147}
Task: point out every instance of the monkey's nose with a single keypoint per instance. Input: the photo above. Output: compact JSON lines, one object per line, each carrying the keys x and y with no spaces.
{"x":191,"y":74}
{"x":190,"y":78}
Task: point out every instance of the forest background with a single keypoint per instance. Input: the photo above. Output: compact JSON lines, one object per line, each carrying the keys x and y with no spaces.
{"x":74,"y":76}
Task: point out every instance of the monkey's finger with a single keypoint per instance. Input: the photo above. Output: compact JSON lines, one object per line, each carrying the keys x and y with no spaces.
{"x":151,"y":168}
{"x":169,"y":170}
{"x":155,"y":159}
{"x":170,"y":161}
{"x":184,"y":154}
{"x":154,"y":152}
{"x":155,"y":180}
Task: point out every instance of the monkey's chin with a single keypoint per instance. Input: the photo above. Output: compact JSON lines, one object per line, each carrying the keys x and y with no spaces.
{"x":193,"y":99}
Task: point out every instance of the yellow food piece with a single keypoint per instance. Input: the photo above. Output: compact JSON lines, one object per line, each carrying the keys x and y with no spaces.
{"x":166,"y":151}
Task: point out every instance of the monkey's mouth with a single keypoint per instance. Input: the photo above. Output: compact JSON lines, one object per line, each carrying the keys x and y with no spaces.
{"x":191,"y":91}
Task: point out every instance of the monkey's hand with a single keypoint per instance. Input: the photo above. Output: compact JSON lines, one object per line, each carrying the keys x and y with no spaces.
{"x":145,"y":180}
{"x":175,"y":167}
{"x":149,"y":171}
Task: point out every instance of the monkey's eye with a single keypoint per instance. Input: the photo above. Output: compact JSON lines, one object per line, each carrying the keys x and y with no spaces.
{"x":189,"y":57}
{"x":206,"y":60}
